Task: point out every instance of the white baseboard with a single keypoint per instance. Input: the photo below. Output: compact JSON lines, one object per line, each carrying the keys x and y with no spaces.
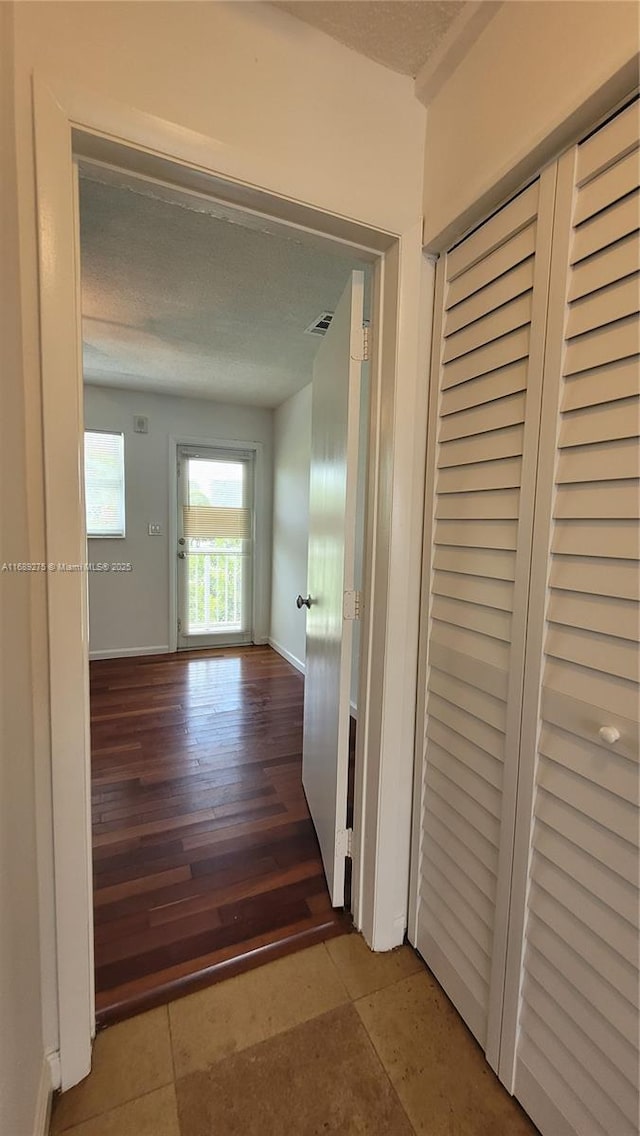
{"x":297,"y":663}
{"x":129,"y":652}
{"x":43,"y":1101}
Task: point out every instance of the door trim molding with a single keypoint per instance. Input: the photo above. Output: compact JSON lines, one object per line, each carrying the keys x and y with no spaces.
{"x":67,"y":120}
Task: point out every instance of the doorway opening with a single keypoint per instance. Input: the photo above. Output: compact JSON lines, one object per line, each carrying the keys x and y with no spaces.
{"x":222,"y":811}
{"x":75,"y":122}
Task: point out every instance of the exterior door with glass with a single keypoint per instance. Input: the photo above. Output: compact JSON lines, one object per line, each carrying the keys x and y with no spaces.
{"x":215,"y":546}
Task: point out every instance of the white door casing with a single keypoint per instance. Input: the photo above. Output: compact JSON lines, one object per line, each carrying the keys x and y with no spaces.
{"x":332,"y":539}
{"x":70,"y":119}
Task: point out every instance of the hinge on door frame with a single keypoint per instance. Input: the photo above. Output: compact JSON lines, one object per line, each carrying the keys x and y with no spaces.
{"x":352,"y":605}
{"x":365,"y":350}
{"x":179,"y":624}
{"x":344,"y":842}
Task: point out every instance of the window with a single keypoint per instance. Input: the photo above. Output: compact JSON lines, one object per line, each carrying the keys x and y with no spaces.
{"x":104,"y":483}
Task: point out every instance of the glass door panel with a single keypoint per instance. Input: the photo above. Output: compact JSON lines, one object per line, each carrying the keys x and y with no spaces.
{"x":215,"y":547}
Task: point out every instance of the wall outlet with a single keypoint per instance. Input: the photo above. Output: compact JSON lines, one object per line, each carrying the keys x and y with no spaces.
{"x":155,"y":530}
{"x":140,"y":424}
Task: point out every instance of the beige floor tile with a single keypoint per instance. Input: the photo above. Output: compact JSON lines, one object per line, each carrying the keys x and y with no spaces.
{"x":152,"y":1115}
{"x":364,"y":971}
{"x":439,"y":1072}
{"x":129,"y":1059}
{"x":322,"y":1077}
{"x":248,"y":1009}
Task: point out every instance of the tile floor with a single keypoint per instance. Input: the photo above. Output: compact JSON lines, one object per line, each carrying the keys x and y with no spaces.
{"x":334,"y":1039}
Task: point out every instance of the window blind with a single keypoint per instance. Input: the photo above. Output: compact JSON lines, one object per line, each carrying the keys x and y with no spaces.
{"x":208,"y":522}
{"x":104,"y":483}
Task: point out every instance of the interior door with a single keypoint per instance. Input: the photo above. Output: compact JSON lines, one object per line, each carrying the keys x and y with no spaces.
{"x":215,"y":547}
{"x":575,"y":988}
{"x":332,"y":538}
{"x":487,"y":378}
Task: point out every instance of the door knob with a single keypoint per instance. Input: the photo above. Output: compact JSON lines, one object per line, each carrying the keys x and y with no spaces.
{"x":300,"y":602}
{"x":182,"y":556}
{"x":182,"y":540}
{"x":609,"y":734}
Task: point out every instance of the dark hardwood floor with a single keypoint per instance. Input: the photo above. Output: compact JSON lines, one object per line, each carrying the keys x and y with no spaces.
{"x":205,"y":858}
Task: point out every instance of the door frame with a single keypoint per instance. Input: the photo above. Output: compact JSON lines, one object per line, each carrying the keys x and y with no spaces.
{"x":260,"y":565}
{"x":70,"y":123}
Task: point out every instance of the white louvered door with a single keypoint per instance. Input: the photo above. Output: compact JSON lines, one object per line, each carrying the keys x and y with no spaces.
{"x":525,"y":895}
{"x":485,"y":410}
{"x":575,"y":1020}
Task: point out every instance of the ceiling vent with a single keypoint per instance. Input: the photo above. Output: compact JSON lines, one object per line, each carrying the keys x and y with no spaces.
{"x":320,"y":325}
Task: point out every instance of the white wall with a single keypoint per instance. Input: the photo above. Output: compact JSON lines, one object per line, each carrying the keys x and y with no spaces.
{"x":326,"y":125}
{"x":21,"y":1041}
{"x":129,"y":611}
{"x":291,"y":457}
{"x":526,"y":88}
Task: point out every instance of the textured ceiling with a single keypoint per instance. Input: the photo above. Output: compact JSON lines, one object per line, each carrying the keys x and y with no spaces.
{"x":179,"y":301}
{"x":401,"y":35}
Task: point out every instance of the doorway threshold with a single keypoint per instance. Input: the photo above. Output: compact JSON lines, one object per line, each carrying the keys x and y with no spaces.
{"x":160,"y":995}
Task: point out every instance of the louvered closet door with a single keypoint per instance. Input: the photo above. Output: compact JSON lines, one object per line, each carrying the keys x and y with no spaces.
{"x":577,"y":1058}
{"x":485,"y":409}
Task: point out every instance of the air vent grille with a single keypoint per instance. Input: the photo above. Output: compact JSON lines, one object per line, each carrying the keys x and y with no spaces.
{"x":320,"y":325}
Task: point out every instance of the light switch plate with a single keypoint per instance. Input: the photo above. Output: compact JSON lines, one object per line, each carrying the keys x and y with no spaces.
{"x":155,"y":530}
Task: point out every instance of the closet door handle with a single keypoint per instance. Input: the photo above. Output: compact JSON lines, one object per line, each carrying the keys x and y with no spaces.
{"x":300,"y":602}
{"x":609,"y":734}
